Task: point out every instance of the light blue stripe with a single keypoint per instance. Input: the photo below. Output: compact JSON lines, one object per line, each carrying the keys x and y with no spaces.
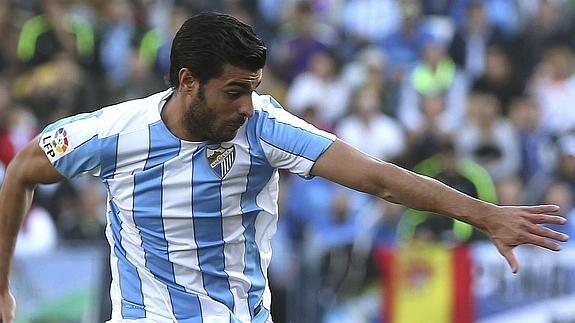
{"x":109,"y":149}
{"x":148,"y":219}
{"x":186,"y":306}
{"x":292,"y":139}
{"x":129,"y":280}
{"x":259,"y":174}
{"x":208,"y":231}
{"x":64,"y":121}
{"x":83,"y":158}
{"x":262,"y":316}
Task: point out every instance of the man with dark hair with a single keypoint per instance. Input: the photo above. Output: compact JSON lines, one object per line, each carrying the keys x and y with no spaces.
{"x":192,"y":180}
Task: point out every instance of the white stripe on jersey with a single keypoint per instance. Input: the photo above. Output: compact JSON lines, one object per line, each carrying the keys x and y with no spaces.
{"x":297,"y":165}
{"x":178,"y":229}
{"x":233,"y":230}
{"x":266,"y":226}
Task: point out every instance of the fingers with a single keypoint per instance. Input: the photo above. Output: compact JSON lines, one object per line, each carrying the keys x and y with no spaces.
{"x":548,"y":233}
{"x":547,"y":219}
{"x":541,"y":208}
{"x":543,"y":242}
{"x":507,"y":253}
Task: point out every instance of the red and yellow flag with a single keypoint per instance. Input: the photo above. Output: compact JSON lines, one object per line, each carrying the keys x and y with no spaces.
{"x":426,"y":283}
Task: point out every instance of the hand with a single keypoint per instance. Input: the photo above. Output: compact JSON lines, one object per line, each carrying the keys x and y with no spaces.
{"x":7,"y":307}
{"x":511,"y":226}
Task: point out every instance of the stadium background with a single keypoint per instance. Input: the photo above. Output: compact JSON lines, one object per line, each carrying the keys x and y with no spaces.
{"x":476,"y":93}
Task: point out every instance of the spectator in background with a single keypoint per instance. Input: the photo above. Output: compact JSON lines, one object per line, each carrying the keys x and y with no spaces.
{"x":370,"y":68}
{"x":537,"y":152}
{"x":470,"y":43}
{"x":435,"y":75}
{"x":403,"y":46}
{"x":566,"y":164}
{"x":142,"y":79}
{"x":298,"y":40}
{"x":46,"y":35}
{"x":561,"y":193}
{"x":115,"y":46}
{"x":322,"y":87}
{"x":510,"y":191}
{"x":38,"y":234}
{"x":82,"y":216}
{"x":23,"y":126}
{"x":273,"y":85}
{"x":313,"y":208}
{"x":370,"y":21}
{"x":502,"y":14}
{"x":57,"y":47}
{"x":548,"y":25}
{"x":9,"y":40}
{"x":368,"y":129}
{"x":461,"y":172}
{"x":498,"y":78}
{"x":367,"y":67}
{"x":554,"y":89}
{"x":246,"y":12}
{"x":55,"y":89}
{"x":564,"y":170}
{"x":488,"y":138}
{"x":425,"y":140}
{"x":436,"y":7}
{"x":271,"y":10}
{"x":154,"y":47}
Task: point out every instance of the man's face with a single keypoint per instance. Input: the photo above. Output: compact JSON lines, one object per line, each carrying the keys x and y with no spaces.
{"x":222,"y":104}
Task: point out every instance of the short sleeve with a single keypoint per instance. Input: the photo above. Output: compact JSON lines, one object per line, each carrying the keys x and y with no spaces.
{"x":72,"y":144}
{"x":289,"y":142}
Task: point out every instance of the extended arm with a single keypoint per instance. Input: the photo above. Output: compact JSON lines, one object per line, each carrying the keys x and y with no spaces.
{"x":29,"y":168}
{"x":506,"y":226}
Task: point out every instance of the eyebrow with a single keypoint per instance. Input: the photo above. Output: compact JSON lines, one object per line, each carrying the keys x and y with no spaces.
{"x":243,"y":84}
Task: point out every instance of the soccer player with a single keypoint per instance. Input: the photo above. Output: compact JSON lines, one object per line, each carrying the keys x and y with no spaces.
{"x":192,"y":180}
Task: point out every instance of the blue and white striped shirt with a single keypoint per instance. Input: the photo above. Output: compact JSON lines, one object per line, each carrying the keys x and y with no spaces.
{"x":189,"y":223}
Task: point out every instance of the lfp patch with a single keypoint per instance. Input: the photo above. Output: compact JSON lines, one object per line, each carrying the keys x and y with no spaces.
{"x":55,"y":143}
{"x":221,"y":158}
{"x":60,"y":141}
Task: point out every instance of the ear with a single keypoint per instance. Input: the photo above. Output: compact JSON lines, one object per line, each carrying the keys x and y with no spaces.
{"x":188,"y":82}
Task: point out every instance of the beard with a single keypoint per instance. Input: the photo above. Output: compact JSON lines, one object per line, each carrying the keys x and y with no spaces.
{"x":201,"y":119}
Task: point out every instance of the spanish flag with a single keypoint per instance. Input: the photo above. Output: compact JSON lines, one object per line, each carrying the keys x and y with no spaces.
{"x":426,"y":283}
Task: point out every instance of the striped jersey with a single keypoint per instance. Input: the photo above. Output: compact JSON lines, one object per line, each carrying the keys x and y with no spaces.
{"x":189,"y":223}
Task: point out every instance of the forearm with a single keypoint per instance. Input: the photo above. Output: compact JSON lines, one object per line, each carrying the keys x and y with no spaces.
{"x":15,"y":200}
{"x":29,"y":168}
{"x":401,"y":186}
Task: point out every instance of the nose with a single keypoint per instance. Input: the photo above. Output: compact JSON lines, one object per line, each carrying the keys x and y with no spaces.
{"x":246,"y":106}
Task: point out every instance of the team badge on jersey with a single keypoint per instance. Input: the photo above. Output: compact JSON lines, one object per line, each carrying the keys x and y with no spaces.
{"x":221,"y":158}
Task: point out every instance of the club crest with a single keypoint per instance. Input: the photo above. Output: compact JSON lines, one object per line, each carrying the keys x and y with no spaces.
{"x":221,"y":158}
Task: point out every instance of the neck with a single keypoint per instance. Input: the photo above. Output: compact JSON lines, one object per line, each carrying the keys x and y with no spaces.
{"x":173,"y":113}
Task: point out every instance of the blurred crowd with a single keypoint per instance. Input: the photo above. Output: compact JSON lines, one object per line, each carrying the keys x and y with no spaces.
{"x":478,"y":94}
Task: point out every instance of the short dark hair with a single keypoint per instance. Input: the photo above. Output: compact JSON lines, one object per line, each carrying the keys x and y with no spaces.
{"x":207,"y":41}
